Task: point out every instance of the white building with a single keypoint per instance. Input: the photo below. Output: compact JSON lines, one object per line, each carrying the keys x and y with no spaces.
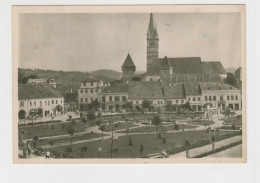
{"x":42,"y":98}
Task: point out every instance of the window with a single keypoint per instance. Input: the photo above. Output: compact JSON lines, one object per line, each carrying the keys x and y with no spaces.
{"x":103,"y":98}
{"x":189,"y":99}
{"x":45,"y":103}
{"x":124,"y":98}
{"x":56,"y":101}
{"x":52,"y":102}
{"x":221,"y":97}
{"x":30,"y":104}
{"x":91,"y":83}
{"x":22,"y":104}
{"x":214,"y":98}
{"x":117,"y":98}
{"x":232,"y":97}
{"x":86,"y":91}
{"x":206,"y":98}
{"x":110,"y":98}
{"x":40,"y":103}
{"x":210,"y":98}
{"x":81,"y":91}
{"x":34,"y":103}
{"x":86,"y":100}
{"x":198,"y":98}
{"x":81,"y":100}
{"x":182,"y":101}
{"x":236,"y":97}
{"x":194,"y":99}
{"x":91,"y":99}
{"x":48,"y":103}
{"x":91,"y":91}
{"x":228,"y":97}
{"x":177,"y":101}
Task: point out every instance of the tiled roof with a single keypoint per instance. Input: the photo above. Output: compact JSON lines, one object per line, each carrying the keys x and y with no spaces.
{"x":118,"y":88}
{"x":213,"y":67}
{"x":182,"y":65}
{"x":192,"y":88}
{"x":176,"y":91}
{"x":39,"y":91}
{"x":145,"y":90}
{"x":216,"y":86}
{"x":128,"y":64}
{"x":165,"y":63}
{"x":195,"y":78}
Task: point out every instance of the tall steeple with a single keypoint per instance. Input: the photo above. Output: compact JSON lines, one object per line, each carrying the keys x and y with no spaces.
{"x":152,"y":45}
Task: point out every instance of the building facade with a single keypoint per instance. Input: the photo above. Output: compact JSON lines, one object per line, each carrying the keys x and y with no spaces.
{"x":42,"y":98}
{"x":88,"y":92}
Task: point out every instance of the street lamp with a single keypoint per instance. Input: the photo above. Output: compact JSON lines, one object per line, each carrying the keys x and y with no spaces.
{"x":112,"y":138}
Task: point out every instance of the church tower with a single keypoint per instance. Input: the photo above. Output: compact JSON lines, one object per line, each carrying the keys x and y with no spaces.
{"x":128,"y":69}
{"x":152,"y":45}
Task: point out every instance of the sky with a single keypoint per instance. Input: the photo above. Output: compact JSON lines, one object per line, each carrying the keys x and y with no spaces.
{"x":88,"y":42}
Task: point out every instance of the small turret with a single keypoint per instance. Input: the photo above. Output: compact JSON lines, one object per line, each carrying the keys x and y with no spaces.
{"x":128,"y":69}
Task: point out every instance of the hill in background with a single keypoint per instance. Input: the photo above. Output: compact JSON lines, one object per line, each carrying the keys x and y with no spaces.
{"x":65,"y":77}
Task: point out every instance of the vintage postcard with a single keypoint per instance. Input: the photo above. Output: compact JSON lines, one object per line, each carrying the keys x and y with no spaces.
{"x":129,"y":84}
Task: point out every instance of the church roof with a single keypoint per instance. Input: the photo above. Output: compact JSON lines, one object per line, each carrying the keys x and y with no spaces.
{"x":145,"y":90}
{"x":212,"y":67}
{"x":183,"y":65}
{"x":38,"y":91}
{"x":128,"y":64}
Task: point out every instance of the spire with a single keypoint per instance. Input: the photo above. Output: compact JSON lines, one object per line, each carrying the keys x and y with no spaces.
{"x":152,"y":28}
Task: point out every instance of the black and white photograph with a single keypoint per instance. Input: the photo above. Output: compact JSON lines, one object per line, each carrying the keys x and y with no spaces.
{"x":134,"y":84}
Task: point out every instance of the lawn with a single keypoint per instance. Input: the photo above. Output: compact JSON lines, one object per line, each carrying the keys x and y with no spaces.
{"x":152,"y":128}
{"x":44,"y":130}
{"x":202,"y":122}
{"x":151,"y":143}
{"x":118,"y":126}
{"x":67,"y":139}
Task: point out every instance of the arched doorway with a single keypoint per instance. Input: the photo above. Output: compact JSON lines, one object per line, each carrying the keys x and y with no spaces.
{"x":21,"y":114}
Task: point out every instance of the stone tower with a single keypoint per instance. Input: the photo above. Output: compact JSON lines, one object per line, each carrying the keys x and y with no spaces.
{"x":128,"y":69}
{"x":152,"y":45}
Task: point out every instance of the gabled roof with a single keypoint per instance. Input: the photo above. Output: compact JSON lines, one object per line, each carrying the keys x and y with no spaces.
{"x":205,"y":86}
{"x":184,"y":65}
{"x":128,"y":64}
{"x":118,"y":88}
{"x":38,"y":91}
{"x":165,"y":63}
{"x":213,"y":67}
{"x":192,"y":88}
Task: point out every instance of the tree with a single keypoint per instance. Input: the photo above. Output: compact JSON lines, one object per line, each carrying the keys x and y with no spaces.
{"x":35,"y":142}
{"x":102,"y":129}
{"x":70,"y":130}
{"x":91,"y":115}
{"x":187,"y":145}
{"x":187,"y":106}
{"x":146,"y":104}
{"x":164,"y":140}
{"x":130,"y":143}
{"x":68,"y":150}
{"x":141,"y":149}
{"x":168,"y":107}
{"x":230,"y":79}
{"x":33,"y":113}
{"x":176,"y":127}
{"x":25,"y":79}
{"x":227,"y":112}
{"x":94,"y":105}
{"x":59,"y":108}
{"x":83,"y":120}
{"x":129,"y":105}
{"x":83,"y":150}
{"x":157,"y":122}
{"x":136,"y":78}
